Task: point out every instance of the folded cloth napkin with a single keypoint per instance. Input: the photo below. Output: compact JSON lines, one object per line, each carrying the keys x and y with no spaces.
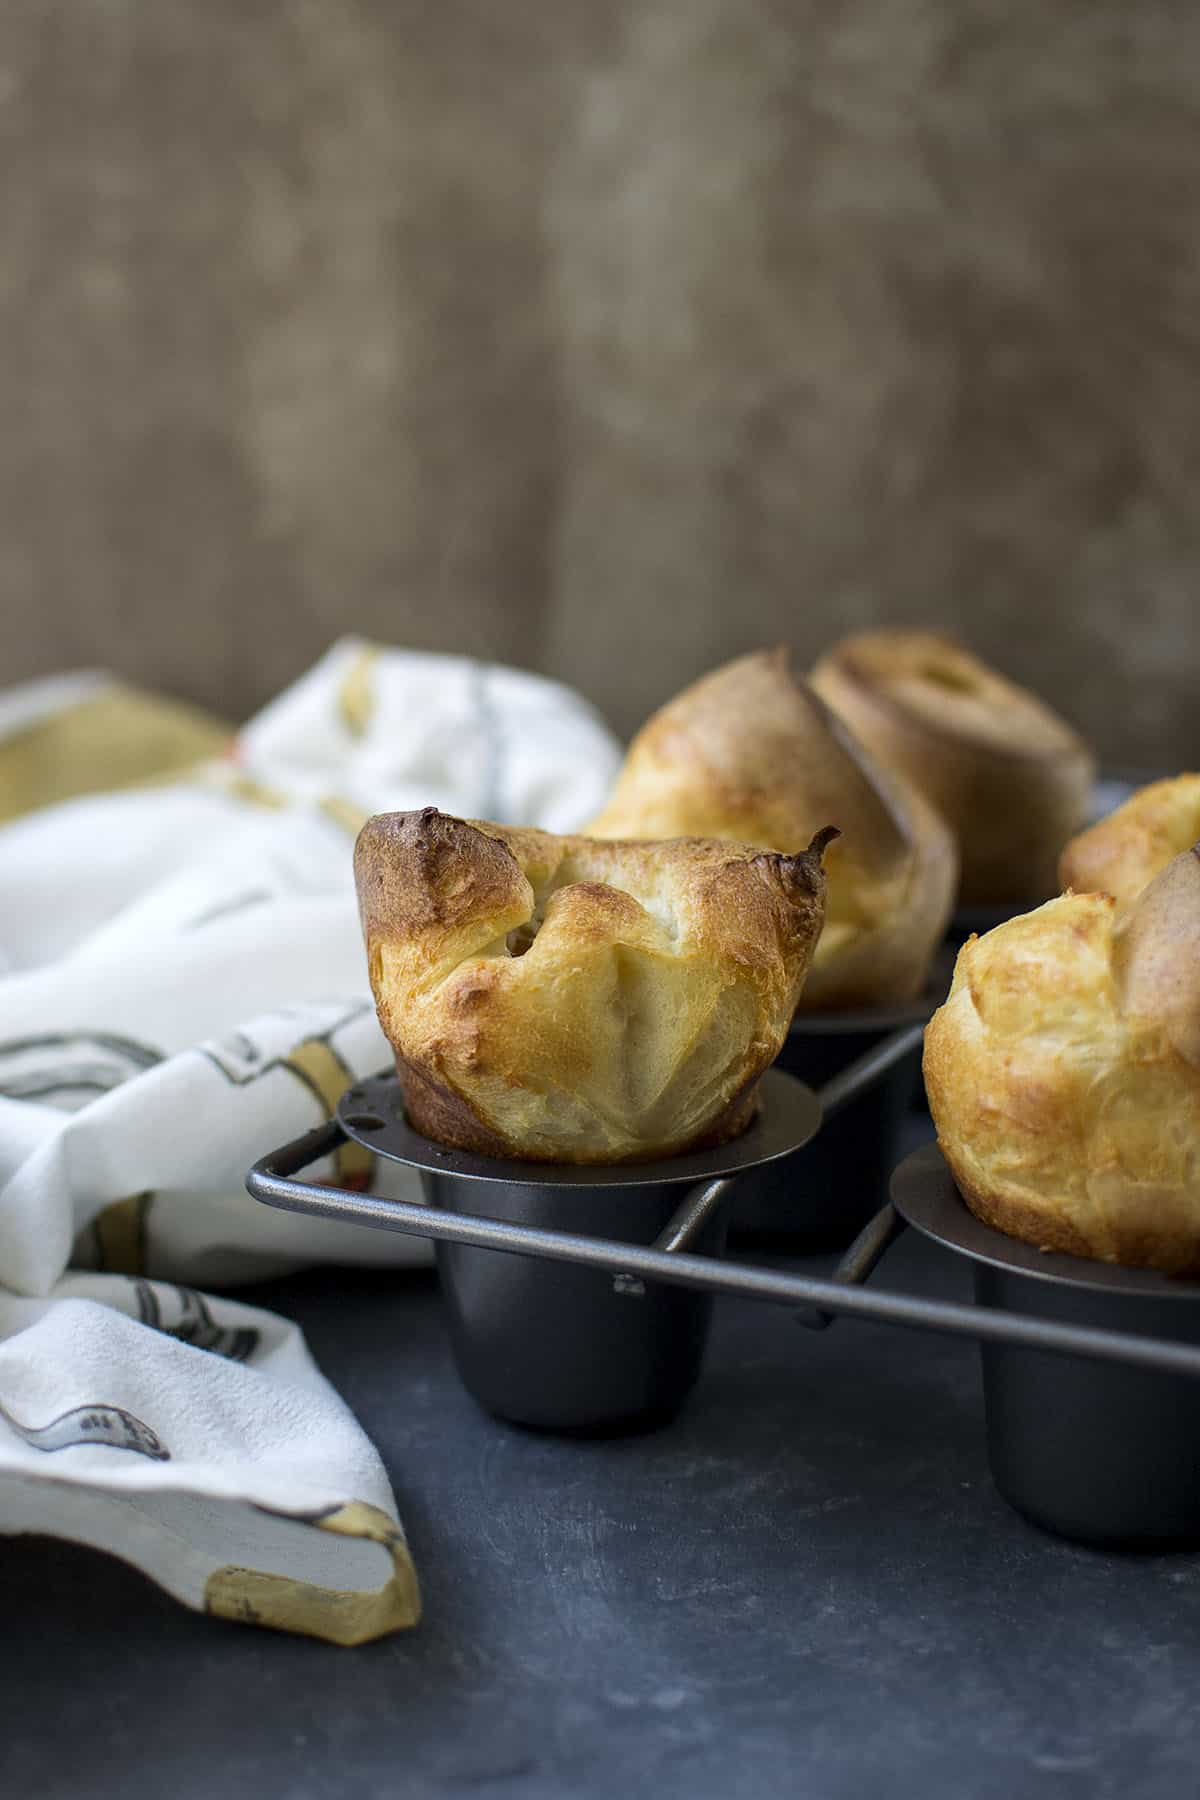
{"x":182,"y":987}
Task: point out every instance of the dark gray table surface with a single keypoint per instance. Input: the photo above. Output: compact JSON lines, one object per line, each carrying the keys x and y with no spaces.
{"x":806,"y":1585}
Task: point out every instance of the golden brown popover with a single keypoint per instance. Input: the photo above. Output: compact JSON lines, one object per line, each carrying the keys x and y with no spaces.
{"x":565,"y":1000}
{"x":1123,"y":852}
{"x":750,"y":753}
{"x":1008,"y":775}
{"x":1063,"y":1074}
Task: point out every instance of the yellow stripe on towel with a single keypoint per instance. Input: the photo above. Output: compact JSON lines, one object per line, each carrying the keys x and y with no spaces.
{"x":116,"y":738}
{"x":324,"y":1073}
{"x":336,"y":1615}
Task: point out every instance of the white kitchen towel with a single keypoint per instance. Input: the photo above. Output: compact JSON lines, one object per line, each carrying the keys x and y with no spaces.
{"x":196,"y":1439}
{"x":182,"y":988}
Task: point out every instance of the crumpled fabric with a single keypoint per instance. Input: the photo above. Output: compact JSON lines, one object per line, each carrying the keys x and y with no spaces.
{"x":182,"y":989}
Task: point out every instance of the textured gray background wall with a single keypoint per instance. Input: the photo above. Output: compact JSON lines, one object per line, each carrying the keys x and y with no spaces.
{"x":604,"y":336}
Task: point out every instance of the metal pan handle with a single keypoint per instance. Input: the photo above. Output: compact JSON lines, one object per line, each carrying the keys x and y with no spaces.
{"x":281,"y":1165}
{"x":858,"y":1262}
{"x":692,"y":1215}
{"x":880,"y":1232}
{"x":271,"y":1181}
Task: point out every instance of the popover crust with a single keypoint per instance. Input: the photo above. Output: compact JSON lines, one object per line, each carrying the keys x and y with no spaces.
{"x":568,"y":1000}
{"x":1123,"y":852}
{"x":1063,"y":1075}
{"x":752,"y":754}
{"x":1008,"y":775}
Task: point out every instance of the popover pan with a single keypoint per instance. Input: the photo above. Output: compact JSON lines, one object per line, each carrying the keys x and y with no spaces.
{"x":842,"y":1177}
{"x":566,"y":1367}
{"x":1094,"y":1451}
{"x":575,"y":1348}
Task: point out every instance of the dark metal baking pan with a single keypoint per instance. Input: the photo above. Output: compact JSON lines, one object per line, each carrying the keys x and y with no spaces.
{"x":826,"y":1198}
{"x":575,"y":1348}
{"x":1101,"y":1453}
{"x":542,"y":1330}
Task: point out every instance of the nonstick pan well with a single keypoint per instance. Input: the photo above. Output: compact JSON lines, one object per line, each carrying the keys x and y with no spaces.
{"x":1093,"y":1451}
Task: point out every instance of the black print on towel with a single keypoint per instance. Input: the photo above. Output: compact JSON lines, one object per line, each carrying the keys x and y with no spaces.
{"x":67,"y":1069}
{"x":281,"y":1039}
{"x":300,"y":1039}
{"x":194,"y":1323}
{"x":110,"y":1426}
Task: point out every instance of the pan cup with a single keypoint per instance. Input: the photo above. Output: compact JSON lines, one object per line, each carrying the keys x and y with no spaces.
{"x":1092,"y":1451}
{"x":555,"y":1345}
{"x":1100,"y":1454}
{"x":560,"y":1347}
{"x":839,"y":1180}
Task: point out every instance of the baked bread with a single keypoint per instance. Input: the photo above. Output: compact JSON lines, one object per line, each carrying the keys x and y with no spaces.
{"x":563,"y":1000}
{"x":1063,"y":1075}
{"x":751,"y":753}
{"x":1009,"y":776}
{"x":1123,"y":852}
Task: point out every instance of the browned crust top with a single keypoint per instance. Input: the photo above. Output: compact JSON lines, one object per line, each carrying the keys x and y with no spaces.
{"x":423,"y":874}
{"x":581,"y":1000}
{"x":752,"y":746}
{"x":857,"y":659}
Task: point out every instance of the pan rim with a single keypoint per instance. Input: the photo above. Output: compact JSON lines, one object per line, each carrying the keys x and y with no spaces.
{"x":924,"y":1193}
